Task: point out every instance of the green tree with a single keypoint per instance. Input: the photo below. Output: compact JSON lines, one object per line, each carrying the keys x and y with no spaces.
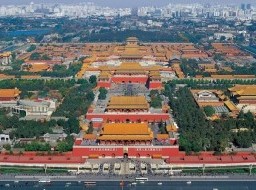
{"x":35,"y":56}
{"x":243,"y":139}
{"x":156,"y":100}
{"x":93,"y":79}
{"x":90,"y":96}
{"x":65,"y":145}
{"x":103,"y":93}
{"x":209,"y":111}
{"x":222,"y":38}
{"x":7,"y":147}
{"x":45,"y":57}
{"x":31,"y":48}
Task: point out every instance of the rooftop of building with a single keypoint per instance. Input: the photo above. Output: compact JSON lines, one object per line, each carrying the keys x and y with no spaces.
{"x":132,"y":39}
{"x":130,"y":66}
{"x":34,"y":103}
{"x":231,"y":106}
{"x":37,"y":67}
{"x":9,"y":93}
{"x":5,"y":54}
{"x":244,"y":90}
{"x":126,"y":131}
{"x":128,"y":102}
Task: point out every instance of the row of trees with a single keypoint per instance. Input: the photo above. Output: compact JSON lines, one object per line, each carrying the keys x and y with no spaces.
{"x":198,"y":134}
{"x":121,"y":36}
{"x":61,"y":71}
{"x":24,"y":129}
{"x":62,"y":146}
{"x":38,"y":56}
{"x":35,"y":85}
{"x":37,"y":146}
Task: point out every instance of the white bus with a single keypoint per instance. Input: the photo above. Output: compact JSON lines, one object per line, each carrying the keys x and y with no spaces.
{"x":141,"y":179}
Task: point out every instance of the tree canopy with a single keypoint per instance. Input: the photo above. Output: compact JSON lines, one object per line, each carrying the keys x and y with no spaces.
{"x":209,"y":111}
{"x":198,"y":134}
{"x":103,"y":93}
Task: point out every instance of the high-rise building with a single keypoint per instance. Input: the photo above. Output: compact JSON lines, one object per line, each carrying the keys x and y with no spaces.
{"x":243,"y":6}
{"x":248,"y":6}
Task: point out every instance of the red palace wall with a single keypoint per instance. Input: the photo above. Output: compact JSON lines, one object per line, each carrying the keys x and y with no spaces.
{"x":96,"y":124}
{"x":150,"y":151}
{"x":130,"y":79}
{"x":131,"y":117}
{"x":104,"y":84}
{"x":96,"y":150}
{"x":119,"y":151}
{"x":6,"y":99}
{"x":247,"y":101}
{"x":155,"y":85}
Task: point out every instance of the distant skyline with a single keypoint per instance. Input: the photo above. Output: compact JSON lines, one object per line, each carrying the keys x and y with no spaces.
{"x":127,"y":3}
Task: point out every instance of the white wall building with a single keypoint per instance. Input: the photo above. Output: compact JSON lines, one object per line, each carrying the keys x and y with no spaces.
{"x":35,"y":108}
{"x":228,"y":36}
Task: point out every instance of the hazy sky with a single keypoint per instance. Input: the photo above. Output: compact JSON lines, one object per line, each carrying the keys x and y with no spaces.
{"x":127,"y":3}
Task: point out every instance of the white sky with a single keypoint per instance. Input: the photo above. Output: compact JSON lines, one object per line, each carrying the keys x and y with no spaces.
{"x":128,"y":3}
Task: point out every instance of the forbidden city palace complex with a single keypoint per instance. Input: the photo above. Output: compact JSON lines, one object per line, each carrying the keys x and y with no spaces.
{"x":125,"y":125}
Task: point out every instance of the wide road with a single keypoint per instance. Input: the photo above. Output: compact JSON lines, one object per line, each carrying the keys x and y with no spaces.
{"x":120,"y":178}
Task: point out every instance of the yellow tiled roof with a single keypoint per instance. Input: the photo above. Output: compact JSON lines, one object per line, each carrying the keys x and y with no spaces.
{"x":9,"y":93}
{"x":126,"y":131}
{"x":104,"y":74}
{"x":125,"y":137}
{"x":5,"y":54}
{"x":162,"y":136}
{"x":128,"y":102}
{"x":244,"y":90}
{"x":130,"y":66}
{"x":38,"y":67}
{"x":230,"y":105}
{"x":89,"y":136}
